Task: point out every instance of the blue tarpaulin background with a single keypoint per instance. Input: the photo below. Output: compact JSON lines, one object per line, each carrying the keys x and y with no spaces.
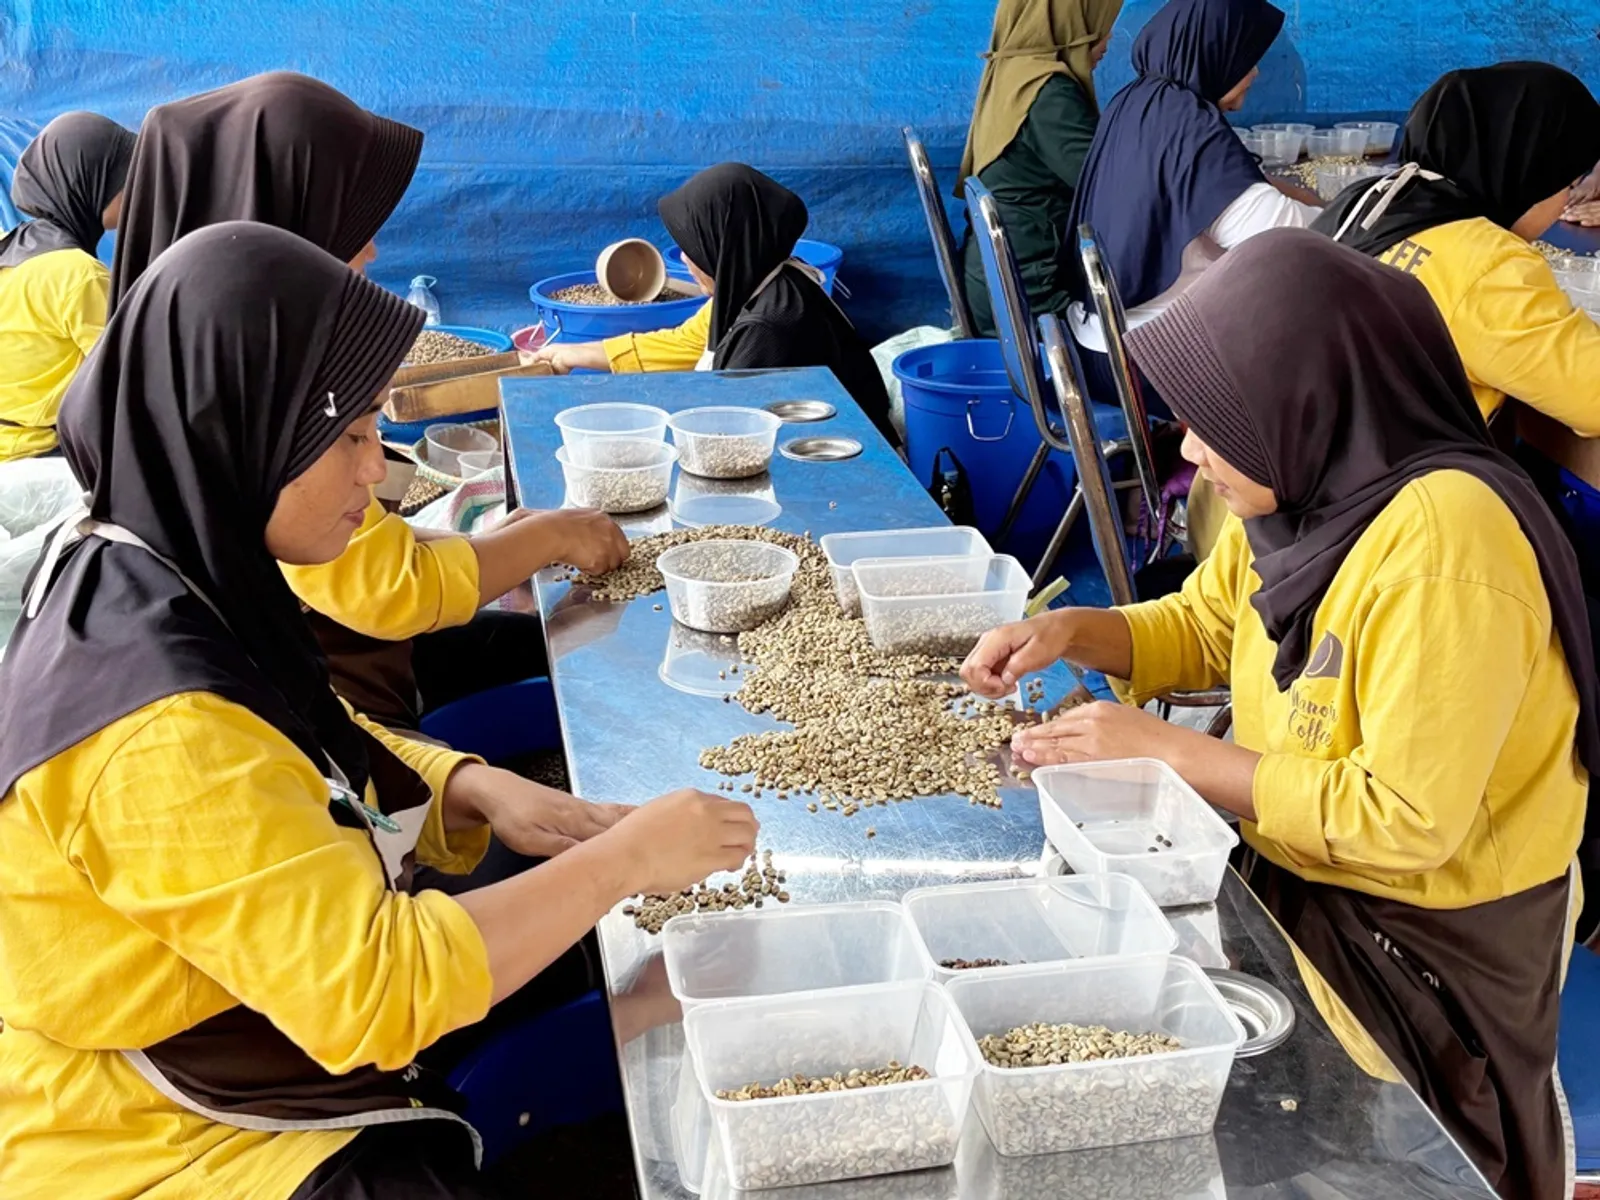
{"x":551,"y":129}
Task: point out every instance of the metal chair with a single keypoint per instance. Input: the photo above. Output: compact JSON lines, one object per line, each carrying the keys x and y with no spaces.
{"x":945,"y":252}
{"x":1096,"y":491}
{"x":1114,"y":324}
{"x":1020,"y":352}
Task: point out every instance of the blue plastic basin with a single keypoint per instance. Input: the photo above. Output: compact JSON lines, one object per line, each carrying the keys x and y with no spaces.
{"x":824,"y":256}
{"x":592,"y":322}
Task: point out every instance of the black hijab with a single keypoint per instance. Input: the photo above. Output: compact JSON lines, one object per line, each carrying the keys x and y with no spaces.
{"x":1336,"y":397}
{"x":282,"y":149}
{"x":740,"y":227}
{"x":64,"y":181}
{"x":1503,"y":138}
{"x":1164,"y":162}
{"x":241,"y":355}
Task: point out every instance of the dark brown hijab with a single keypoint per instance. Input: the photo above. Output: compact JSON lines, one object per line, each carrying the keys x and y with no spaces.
{"x":282,"y":149}
{"x":1337,"y":396}
{"x":64,"y":181}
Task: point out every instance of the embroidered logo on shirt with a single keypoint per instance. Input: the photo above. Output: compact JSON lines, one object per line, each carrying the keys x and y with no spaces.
{"x":329,"y":408}
{"x":1326,"y":659}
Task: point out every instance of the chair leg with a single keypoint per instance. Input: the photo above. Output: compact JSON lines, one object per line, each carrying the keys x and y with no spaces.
{"x":1221,"y":723}
{"x":1020,"y":496}
{"x":1058,"y":540}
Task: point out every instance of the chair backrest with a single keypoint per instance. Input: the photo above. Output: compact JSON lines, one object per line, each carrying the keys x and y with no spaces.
{"x":1094,"y":473}
{"x":1013,"y":319}
{"x":944,"y":241}
{"x":1114,"y":324}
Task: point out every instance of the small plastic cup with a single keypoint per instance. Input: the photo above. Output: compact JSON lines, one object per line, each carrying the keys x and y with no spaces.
{"x":446,"y":444}
{"x":1279,"y":147}
{"x":588,"y":422}
{"x":725,"y":441}
{"x":1298,"y":130}
{"x":480,"y":462}
{"x":1378,"y":136}
{"x":617,"y":475}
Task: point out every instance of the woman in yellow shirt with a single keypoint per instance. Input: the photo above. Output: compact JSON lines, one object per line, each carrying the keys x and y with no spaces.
{"x":52,"y":288}
{"x":1401,"y":623}
{"x":290,"y":151}
{"x":1489,"y":158}
{"x":217,"y":973}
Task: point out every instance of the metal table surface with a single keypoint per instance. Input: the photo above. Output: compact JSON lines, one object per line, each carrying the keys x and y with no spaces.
{"x":629,"y":736}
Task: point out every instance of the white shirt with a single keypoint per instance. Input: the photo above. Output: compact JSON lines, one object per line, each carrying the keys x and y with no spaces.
{"x":1258,"y":208}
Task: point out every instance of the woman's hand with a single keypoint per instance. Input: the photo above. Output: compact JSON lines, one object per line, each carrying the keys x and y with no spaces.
{"x":565,"y":357}
{"x":1093,"y":733}
{"x":677,"y":840}
{"x":1004,"y":655}
{"x":588,"y":539}
{"x":528,"y":817}
{"x":1586,"y":214}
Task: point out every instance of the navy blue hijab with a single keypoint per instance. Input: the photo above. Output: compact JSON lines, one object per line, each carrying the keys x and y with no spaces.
{"x":1165,"y":163}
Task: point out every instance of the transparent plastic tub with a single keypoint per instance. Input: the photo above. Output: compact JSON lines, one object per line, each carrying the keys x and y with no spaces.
{"x":1105,"y":1102}
{"x":1297,"y":131}
{"x":1336,"y":143}
{"x":938,"y":606}
{"x":1251,"y":140}
{"x":617,"y":475}
{"x":1279,"y":147}
{"x":447,"y":442}
{"x":725,"y":442}
{"x":727,"y":586}
{"x":590,"y":421}
{"x":1334,"y":179}
{"x":1026,"y":922}
{"x":733,"y":955}
{"x":1119,"y":816}
{"x":1379,"y":134}
{"x":938,"y":541}
{"x":847,"y":1134}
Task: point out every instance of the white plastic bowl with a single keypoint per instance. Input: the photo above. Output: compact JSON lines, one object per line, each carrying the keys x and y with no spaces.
{"x":1298,"y":131}
{"x":725,"y":442}
{"x":590,"y":421}
{"x":727,"y":586}
{"x":936,"y":541}
{"x":448,"y":442}
{"x":1279,"y":147}
{"x":617,"y":475}
{"x":1379,"y":134}
{"x":938,"y":606}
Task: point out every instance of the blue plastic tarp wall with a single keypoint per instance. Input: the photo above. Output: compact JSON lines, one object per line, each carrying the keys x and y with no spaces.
{"x":551,"y":129}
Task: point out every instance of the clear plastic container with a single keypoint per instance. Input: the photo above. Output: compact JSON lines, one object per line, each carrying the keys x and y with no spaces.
{"x":938,"y":606}
{"x":1333,"y":180}
{"x":727,"y":586}
{"x":938,"y":541}
{"x":1025,"y":922}
{"x":1279,"y":147}
{"x":834,"y":1135}
{"x":591,"y":421}
{"x":1121,"y":816}
{"x":1105,"y":1102}
{"x":732,"y":955}
{"x":421,"y":295}
{"x":725,"y":442}
{"x":1298,"y":131}
{"x":617,"y":475}
{"x":1332,"y":143}
{"x":1251,"y":140}
{"x":480,"y":462}
{"x":1379,"y":135}
{"x":446,"y":443}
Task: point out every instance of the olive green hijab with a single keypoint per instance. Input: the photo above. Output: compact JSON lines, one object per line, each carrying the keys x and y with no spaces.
{"x":1032,"y":40}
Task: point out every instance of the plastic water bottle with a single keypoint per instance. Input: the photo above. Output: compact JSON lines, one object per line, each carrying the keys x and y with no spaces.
{"x":422,"y":296}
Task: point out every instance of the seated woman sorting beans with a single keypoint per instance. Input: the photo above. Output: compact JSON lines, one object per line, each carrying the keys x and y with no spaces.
{"x":219,"y":979}
{"x":292,"y":152}
{"x":1402,"y":627}
{"x":52,"y":288}
{"x":1031,"y":127}
{"x":737,"y":229}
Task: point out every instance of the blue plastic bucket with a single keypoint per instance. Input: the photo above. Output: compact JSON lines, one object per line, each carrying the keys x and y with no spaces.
{"x":957,"y":396}
{"x":593,"y":322}
{"x":411,"y":433}
{"x":824,"y":256}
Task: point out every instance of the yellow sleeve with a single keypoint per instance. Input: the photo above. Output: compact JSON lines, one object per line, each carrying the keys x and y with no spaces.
{"x":210,"y":830}
{"x":1441,"y":669}
{"x":389,"y":585}
{"x":455,"y":853}
{"x":1184,"y":642}
{"x":677,"y":349}
{"x":1518,"y":332}
{"x":83,"y":316}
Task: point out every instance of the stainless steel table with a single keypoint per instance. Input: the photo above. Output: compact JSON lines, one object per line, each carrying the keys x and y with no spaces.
{"x":629,"y":736}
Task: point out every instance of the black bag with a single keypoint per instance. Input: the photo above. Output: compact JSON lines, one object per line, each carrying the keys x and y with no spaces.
{"x":951,"y":489}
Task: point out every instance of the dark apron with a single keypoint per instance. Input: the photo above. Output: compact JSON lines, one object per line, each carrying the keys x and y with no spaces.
{"x":1465,"y":1002}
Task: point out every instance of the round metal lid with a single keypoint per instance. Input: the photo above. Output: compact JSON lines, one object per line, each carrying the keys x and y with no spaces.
{"x":821,"y":449}
{"x":801,"y":411}
{"x":1264,"y":1011}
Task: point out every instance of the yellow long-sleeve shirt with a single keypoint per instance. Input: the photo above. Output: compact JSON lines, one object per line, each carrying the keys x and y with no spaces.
{"x":52,"y":309}
{"x":389,"y":585}
{"x":678,"y":349}
{"x":1516,"y":331}
{"x":177,"y":863}
{"x":1426,"y":752}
